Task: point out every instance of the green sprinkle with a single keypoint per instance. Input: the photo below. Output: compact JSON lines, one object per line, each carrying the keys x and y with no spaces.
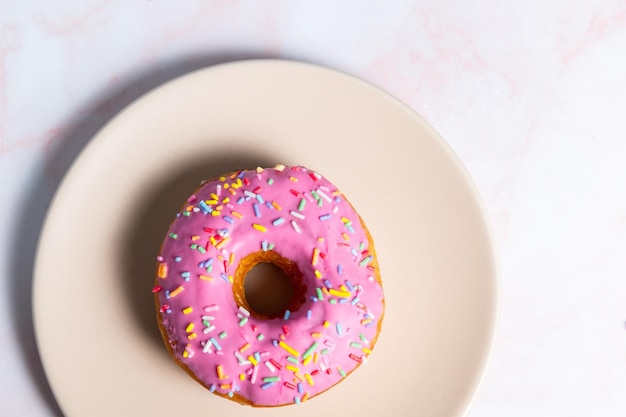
{"x":365,"y":261}
{"x":309,"y":351}
{"x":292,"y":359}
{"x":302,"y":204}
{"x":320,"y":202}
{"x":341,"y":372}
{"x":320,"y":295}
{"x":363,"y":338}
{"x":243,"y":321}
{"x":271,"y":379}
{"x":270,"y":246}
{"x":270,"y":181}
{"x":186,"y":213}
{"x":356,"y":345}
{"x":260,"y":336}
{"x":206,"y":323}
{"x":201,"y":249}
{"x":173,"y":235}
{"x":333,"y":301}
{"x":362,"y":246}
{"x":209,"y":268}
{"x":324,"y":351}
{"x":223,"y":335}
{"x":315,"y":195}
{"x":193,"y":246}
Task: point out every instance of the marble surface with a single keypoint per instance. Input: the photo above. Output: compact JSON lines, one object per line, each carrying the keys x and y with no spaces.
{"x":530,"y":95}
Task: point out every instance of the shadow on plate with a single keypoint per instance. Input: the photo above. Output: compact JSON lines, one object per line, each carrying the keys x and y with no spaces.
{"x":60,"y":154}
{"x":141,"y":243}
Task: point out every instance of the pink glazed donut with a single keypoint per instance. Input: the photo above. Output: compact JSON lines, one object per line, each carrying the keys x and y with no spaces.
{"x":297,"y":220}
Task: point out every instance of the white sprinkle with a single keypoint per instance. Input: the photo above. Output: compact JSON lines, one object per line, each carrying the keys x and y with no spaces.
{"x":208,"y":318}
{"x":208,"y":329}
{"x":270,"y":366}
{"x":254,"y":373}
{"x":324,"y":196}
{"x":295,"y":226}
{"x":296,"y":214}
{"x":210,"y":308}
{"x":206,"y":347}
{"x":244,"y":311}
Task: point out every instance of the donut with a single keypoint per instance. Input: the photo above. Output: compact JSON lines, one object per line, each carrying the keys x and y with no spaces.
{"x":295,"y":219}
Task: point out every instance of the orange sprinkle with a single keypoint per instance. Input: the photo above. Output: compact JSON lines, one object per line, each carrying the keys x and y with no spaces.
{"x":192,"y":336}
{"x":162,"y":271}
{"x":276,"y":206}
{"x":244,"y":347}
{"x":314,"y":259}
{"x":194,"y":238}
{"x":231,"y":258}
{"x":236,"y":214}
{"x":176,"y":291}
{"x":225,"y":386}
{"x":220,"y":372}
{"x":316,"y":335}
{"x":222,"y":242}
{"x":305,"y":397}
{"x":203,"y":277}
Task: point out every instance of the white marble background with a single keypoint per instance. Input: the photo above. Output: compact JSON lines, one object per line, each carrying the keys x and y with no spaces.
{"x":530,"y":94}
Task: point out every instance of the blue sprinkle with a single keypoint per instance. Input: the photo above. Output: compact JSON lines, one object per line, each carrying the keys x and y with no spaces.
{"x":259,"y":198}
{"x":229,"y":219}
{"x":300,"y":388}
{"x":274,"y":342}
{"x":267,"y":385}
{"x":325,"y":216}
{"x":223,"y":232}
{"x":204,"y":207}
{"x":241,"y":200}
{"x":230,"y":394}
{"x":327,"y":284}
{"x":168,"y":311}
{"x":308,"y":314}
{"x":337,"y":200}
{"x":167,"y":294}
{"x":224,"y":277}
{"x":178,"y":259}
{"x":264,"y":246}
{"x":296,"y":399}
{"x":217,"y":345}
{"x":257,"y":211}
{"x":340,"y":270}
{"x":354,"y":252}
{"x":278,"y":221}
{"x":212,"y":388}
{"x":287,"y":314}
{"x":354,"y":300}
{"x":339,"y":329}
{"x":241,"y":174}
{"x":269,"y":205}
{"x":184,"y":274}
{"x":343,"y":300}
{"x":257,"y":356}
{"x":314,"y":299}
{"x":349,"y":285}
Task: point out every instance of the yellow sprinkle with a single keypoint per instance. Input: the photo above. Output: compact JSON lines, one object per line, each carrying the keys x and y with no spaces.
{"x":307,"y":360}
{"x":222,"y":179}
{"x":226,"y":186}
{"x":276,"y":206}
{"x":342,"y":294}
{"x":239,"y":183}
{"x":316,"y":335}
{"x":343,"y":288}
{"x":316,"y":357}
{"x":366,"y":321}
{"x":289,"y":348}
{"x":292,"y":368}
{"x":326,"y":323}
{"x":187,"y":310}
{"x":309,"y":379}
{"x":212,"y":240}
{"x":318,"y":274}
{"x":222,"y":242}
{"x":367,"y":351}
{"x":194,"y":238}
{"x":211,"y":201}
{"x":236,"y":214}
{"x":189,"y":327}
{"x":215,"y":213}
{"x":162,"y":271}
{"x":203,"y":277}
{"x":220,"y":372}
{"x":242,"y":377}
{"x":185,"y":354}
{"x":294,"y":179}
{"x":345,"y":236}
{"x":192,"y":336}
{"x":314,"y":259}
{"x":176,"y":291}
{"x":214,"y":196}
{"x":253,"y":360}
{"x":231,"y":258}
{"x":320,"y":239}
{"x":225,"y":200}
{"x":244,"y":347}
{"x":259,"y":227}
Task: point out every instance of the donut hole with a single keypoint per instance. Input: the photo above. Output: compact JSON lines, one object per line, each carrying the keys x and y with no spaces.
{"x":267,"y":285}
{"x":268,"y":290}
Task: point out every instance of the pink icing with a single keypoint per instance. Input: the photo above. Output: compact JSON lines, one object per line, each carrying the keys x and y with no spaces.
{"x":275,"y":361}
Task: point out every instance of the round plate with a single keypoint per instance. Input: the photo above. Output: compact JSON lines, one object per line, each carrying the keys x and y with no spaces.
{"x":94,"y":314}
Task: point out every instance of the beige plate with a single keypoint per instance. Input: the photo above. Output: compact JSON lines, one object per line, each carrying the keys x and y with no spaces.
{"x":93,"y":313}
